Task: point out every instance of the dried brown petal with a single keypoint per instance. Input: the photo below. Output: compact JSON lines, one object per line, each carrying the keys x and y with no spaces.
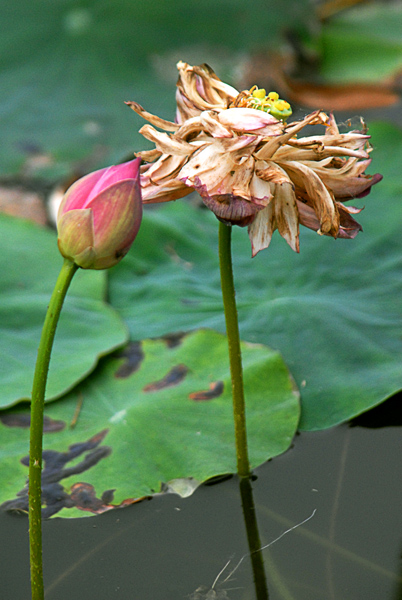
{"x":251,"y":169}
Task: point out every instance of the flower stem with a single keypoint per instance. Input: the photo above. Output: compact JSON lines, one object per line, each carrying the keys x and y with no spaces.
{"x":232,"y":331}
{"x":36,"y":430}
{"x":253,"y":538}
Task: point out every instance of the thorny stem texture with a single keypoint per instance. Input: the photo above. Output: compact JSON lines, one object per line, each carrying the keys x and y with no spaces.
{"x":36,"y":430}
{"x":232,"y":331}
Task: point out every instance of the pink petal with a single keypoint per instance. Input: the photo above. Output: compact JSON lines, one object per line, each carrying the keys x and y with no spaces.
{"x":82,"y":191}
{"x":115,"y":174}
{"x":117,"y":213}
{"x":77,"y":195}
{"x":246,"y":119}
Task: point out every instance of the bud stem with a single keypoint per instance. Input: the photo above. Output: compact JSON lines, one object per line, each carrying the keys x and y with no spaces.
{"x":36,"y":430}
{"x":232,"y":331}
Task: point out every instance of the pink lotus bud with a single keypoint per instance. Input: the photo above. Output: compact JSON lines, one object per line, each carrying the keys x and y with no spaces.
{"x":100,"y":215}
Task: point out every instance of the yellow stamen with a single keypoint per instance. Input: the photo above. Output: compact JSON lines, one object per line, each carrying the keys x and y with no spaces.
{"x":256,"y":98}
{"x":273,"y":96}
{"x":281,"y":105}
{"x":259,"y":93}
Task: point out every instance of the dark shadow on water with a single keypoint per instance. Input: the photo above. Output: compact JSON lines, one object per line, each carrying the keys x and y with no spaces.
{"x":171,"y":548}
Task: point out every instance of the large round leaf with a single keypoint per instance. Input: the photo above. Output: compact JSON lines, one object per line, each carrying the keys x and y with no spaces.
{"x":88,"y":328}
{"x":333,"y":311}
{"x":162,"y":412}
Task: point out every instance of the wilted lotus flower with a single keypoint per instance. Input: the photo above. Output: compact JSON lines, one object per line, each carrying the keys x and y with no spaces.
{"x":100,"y":215}
{"x":248,"y":164}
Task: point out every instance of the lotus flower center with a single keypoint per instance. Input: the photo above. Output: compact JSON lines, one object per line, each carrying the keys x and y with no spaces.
{"x":271,"y":103}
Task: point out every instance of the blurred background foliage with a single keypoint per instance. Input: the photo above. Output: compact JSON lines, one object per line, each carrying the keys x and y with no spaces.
{"x":67,"y":66}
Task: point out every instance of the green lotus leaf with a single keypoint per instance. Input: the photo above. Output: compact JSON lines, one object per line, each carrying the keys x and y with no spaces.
{"x":88,"y":328}
{"x":160,"y":411}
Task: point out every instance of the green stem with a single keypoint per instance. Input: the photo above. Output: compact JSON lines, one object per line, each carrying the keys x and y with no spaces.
{"x":36,"y":431}
{"x":232,"y":331}
{"x":253,"y":538}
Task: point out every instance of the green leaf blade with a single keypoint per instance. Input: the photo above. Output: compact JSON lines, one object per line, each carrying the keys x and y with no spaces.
{"x":157,"y":433}
{"x":88,"y":328}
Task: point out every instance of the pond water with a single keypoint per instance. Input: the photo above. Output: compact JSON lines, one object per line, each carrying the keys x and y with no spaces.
{"x":170,"y":548}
